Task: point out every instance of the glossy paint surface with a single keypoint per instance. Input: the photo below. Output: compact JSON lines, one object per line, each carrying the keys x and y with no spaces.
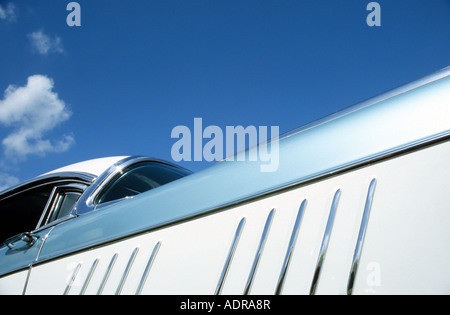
{"x":399,"y":122}
{"x":404,"y":249}
{"x":95,"y":167}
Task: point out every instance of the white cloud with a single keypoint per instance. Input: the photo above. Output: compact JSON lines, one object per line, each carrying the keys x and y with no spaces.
{"x":8,"y":12}
{"x":7,"y":181}
{"x":44,"y":44}
{"x":30,"y":112}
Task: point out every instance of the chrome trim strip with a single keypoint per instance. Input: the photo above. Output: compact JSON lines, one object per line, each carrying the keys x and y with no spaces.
{"x":127,"y":271}
{"x":230,"y":256}
{"x":27,"y":280}
{"x":49,"y":179}
{"x":325,"y":241}
{"x":147,"y":268}
{"x":405,"y":88}
{"x":44,"y":239}
{"x":72,"y":279}
{"x":47,"y":206}
{"x":361,"y":236}
{"x":291,"y":246}
{"x":262,"y":243}
{"x":107,"y":273}
{"x":89,"y":276}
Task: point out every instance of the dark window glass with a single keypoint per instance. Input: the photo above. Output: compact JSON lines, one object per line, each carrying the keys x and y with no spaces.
{"x":62,"y":204}
{"x":21,"y":213}
{"x":140,"y":179}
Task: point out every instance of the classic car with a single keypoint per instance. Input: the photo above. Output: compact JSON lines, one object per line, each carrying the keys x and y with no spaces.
{"x":359,"y":204}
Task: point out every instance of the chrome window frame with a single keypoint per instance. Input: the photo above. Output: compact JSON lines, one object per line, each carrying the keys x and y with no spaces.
{"x":48,"y":179}
{"x":79,"y":180}
{"x":49,"y":209}
{"x":87,"y":202}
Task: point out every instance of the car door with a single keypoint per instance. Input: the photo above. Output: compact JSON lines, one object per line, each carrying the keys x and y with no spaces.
{"x":20,"y":214}
{"x":16,"y":256}
{"x":27,"y":217}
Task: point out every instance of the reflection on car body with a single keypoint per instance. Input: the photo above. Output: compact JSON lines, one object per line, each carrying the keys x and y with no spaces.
{"x":52,"y":197}
{"x":358,"y":205}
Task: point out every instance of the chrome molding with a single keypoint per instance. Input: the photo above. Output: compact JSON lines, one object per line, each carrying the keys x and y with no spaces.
{"x":127,"y":271}
{"x":325,"y":241}
{"x":72,"y":279}
{"x":48,"y":211}
{"x":108,"y":272}
{"x":27,"y":280}
{"x":262,"y":243}
{"x":291,"y":246}
{"x":48,"y":179}
{"x":230,"y":256}
{"x":47,"y":206}
{"x":148,"y":268}
{"x":361,"y":235}
{"x":433,"y":77}
{"x":89,"y":276}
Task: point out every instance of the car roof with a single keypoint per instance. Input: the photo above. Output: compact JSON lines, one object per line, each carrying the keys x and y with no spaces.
{"x":95,"y":167}
{"x":86,"y":171}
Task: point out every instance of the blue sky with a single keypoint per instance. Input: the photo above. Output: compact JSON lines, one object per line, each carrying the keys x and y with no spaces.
{"x":119,"y":83}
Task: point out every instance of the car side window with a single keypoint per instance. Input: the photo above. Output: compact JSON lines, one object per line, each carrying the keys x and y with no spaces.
{"x":36,"y":207}
{"x":138,"y":179}
{"x":21,"y":212}
{"x":61,"y":201}
{"x":66,"y":201}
